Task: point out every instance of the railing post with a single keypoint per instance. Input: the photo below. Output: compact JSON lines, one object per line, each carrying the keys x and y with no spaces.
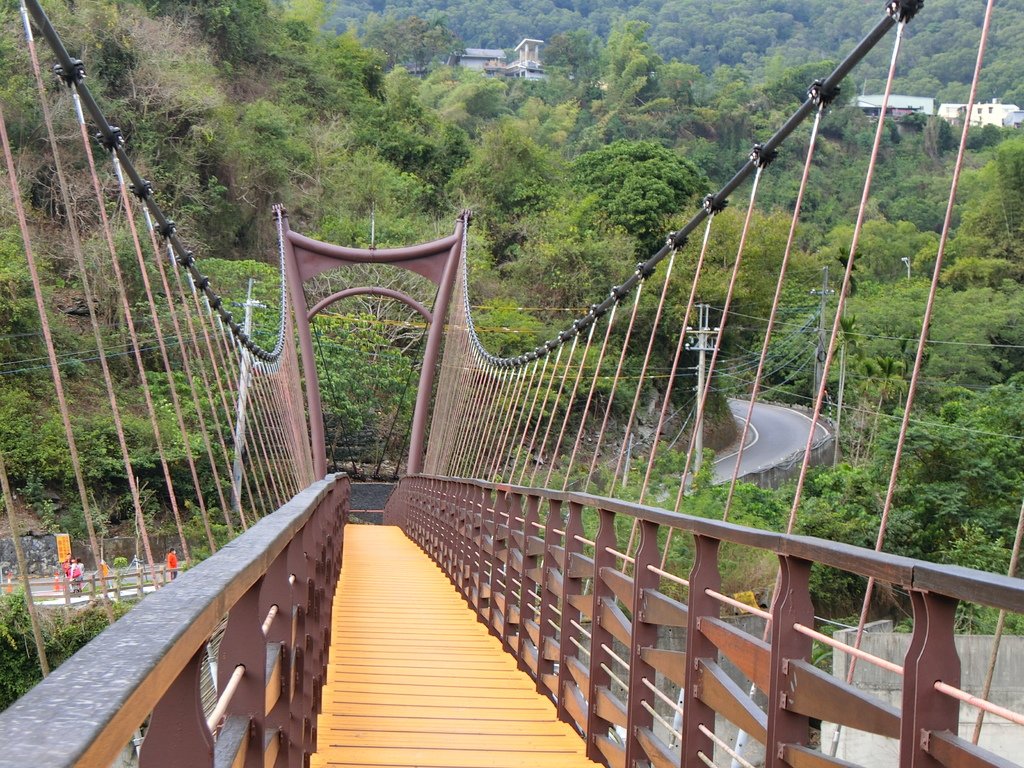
{"x":932,"y":657}
{"x":245,"y":644}
{"x":512,"y":613}
{"x":495,"y":500}
{"x":299,"y":716}
{"x":568,"y":652}
{"x":792,"y":605}
{"x":552,"y":586}
{"x":704,"y":575}
{"x":277,"y":591}
{"x":644,"y":635}
{"x":178,"y":736}
{"x":600,"y":638}
{"x":528,"y":608}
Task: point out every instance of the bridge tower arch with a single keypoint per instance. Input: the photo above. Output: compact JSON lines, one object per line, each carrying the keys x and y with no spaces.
{"x":437,"y":260}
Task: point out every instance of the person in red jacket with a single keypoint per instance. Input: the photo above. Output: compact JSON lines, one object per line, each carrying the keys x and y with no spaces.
{"x":172,"y":563}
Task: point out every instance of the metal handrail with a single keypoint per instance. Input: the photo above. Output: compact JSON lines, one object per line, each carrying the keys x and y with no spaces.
{"x":121,"y":675}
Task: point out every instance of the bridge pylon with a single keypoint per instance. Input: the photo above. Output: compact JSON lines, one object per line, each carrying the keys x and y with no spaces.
{"x":437,"y":260}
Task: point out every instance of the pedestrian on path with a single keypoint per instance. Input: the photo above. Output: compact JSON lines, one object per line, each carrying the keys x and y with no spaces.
{"x":172,"y":563}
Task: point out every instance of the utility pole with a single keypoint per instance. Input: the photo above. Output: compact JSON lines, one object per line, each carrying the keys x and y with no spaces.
{"x":702,"y":343}
{"x":245,"y":375}
{"x":821,"y":352}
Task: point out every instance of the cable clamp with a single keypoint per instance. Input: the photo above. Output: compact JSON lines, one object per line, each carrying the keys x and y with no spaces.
{"x":166,"y":229}
{"x":187,"y":259}
{"x":819,"y":96}
{"x":712,"y":205}
{"x":76,"y":75}
{"x":203,"y":283}
{"x":903,"y":10}
{"x":112,"y":140}
{"x":141,"y":191}
{"x":760,"y":157}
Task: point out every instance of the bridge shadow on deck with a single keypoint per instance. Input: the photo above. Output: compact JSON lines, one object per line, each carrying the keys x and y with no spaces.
{"x":415,"y":680}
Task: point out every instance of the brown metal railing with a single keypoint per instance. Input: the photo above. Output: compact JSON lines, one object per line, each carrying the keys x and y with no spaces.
{"x":549,"y":574}
{"x":275,"y":584}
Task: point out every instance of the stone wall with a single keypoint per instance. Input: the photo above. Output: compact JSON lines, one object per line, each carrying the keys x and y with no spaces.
{"x":41,"y":552}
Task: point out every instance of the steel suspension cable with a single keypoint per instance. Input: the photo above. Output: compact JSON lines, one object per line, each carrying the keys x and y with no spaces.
{"x":158,"y":327}
{"x":556,"y":452}
{"x":500,"y":460}
{"x":531,"y":456}
{"x":676,"y":357}
{"x":847,"y":274}
{"x":495,"y":420}
{"x":58,"y":382}
{"x":643,"y":368}
{"x":702,"y":397}
{"x":554,"y":408}
{"x":78,"y":252}
{"x":529,"y":416}
{"x":19,"y":555}
{"x":925,"y":327}
{"x":742,"y":736}
{"x":615,"y":381}
{"x":590,"y":394}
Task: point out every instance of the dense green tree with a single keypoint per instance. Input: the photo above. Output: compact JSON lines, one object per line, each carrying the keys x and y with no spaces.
{"x":637,"y":186}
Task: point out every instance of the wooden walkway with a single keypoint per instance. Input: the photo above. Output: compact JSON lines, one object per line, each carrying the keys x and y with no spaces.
{"x":415,"y":680}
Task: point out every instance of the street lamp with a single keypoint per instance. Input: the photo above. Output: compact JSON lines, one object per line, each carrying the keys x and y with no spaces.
{"x":906,"y":261}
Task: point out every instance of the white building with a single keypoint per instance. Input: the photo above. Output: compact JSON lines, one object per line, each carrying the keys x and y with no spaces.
{"x":985,"y":113}
{"x":528,"y":65}
{"x":493,"y":62}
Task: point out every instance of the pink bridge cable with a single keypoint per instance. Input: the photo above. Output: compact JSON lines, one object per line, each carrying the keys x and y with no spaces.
{"x":165,"y":358}
{"x":643,"y":369}
{"x":590,"y":394}
{"x":703,"y":396}
{"x":44,"y":319}
{"x":677,"y":356}
{"x":532,"y":457}
{"x":776,"y":300}
{"x":500,"y":459}
{"x":554,"y":409}
{"x":847,"y":273}
{"x":529,"y":417}
{"x":925,"y":325}
{"x":555,"y":453}
{"x":615,"y":383}
{"x":499,"y":406}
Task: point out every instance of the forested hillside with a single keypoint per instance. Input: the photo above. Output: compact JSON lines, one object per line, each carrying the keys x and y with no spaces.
{"x":232,"y":106}
{"x":760,"y":38}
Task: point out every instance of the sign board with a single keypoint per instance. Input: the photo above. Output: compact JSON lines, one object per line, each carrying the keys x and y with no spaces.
{"x":63,"y":546}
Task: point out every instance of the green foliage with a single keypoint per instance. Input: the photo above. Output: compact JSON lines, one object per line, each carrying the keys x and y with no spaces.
{"x":638,"y":186}
{"x":64,"y":632}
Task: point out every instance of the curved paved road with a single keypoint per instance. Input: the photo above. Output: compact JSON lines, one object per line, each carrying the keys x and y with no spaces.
{"x":776,"y":432}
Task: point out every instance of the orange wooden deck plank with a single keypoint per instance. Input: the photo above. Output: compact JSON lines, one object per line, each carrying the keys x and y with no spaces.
{"x":415,"y":681}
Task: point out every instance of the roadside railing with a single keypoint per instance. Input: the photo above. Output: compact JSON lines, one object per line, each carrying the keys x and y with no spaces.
{"x":275,"y":583}
{"x":556,"y":578}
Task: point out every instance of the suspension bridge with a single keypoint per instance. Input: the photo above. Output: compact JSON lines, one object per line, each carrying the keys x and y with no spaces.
{"x":505,"y":615}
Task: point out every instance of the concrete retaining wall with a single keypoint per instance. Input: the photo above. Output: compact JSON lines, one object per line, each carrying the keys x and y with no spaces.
{"x":997,"y":735}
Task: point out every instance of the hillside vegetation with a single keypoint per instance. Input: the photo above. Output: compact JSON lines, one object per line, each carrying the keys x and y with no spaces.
{"x":231,"y":106}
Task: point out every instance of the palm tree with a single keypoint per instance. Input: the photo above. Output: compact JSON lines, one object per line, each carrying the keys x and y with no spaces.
{"x":890,"y":382}
{"x":847,"y":342}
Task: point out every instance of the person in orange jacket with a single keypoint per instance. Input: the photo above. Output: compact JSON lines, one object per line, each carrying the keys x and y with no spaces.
{"x":172,"y":563}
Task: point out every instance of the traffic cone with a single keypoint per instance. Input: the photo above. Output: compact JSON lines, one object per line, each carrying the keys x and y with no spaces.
{"x":9,"y":587}
{"x":56,"y":581}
